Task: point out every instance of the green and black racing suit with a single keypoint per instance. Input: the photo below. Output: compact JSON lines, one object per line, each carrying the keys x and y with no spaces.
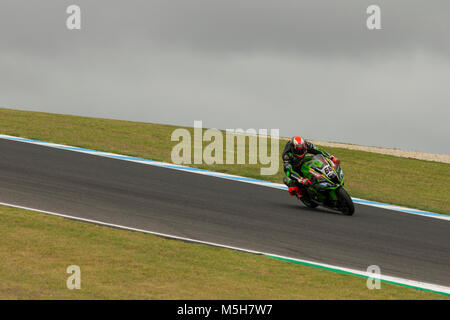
{"x":292,"y":163}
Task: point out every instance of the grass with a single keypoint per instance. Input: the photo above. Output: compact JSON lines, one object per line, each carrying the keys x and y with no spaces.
{"x":36,"y":249}
{"x":408,"y":182}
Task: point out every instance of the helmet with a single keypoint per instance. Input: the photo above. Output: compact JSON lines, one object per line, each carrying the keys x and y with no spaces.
{"x":299,"y":146}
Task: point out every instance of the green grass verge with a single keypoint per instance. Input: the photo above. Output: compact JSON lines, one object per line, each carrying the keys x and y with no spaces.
{"x":36,"y":249}
{"x":408,"y":182}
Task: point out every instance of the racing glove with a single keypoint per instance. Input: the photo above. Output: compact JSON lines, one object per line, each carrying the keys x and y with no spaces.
{"x":304,"y":181}
{"x":335,"y":160}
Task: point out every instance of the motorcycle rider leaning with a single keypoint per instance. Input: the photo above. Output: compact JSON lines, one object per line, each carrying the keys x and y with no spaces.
{"x":293,"y":158}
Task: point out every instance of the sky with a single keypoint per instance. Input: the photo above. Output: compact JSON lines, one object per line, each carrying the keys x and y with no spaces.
{"x":309,"y":68}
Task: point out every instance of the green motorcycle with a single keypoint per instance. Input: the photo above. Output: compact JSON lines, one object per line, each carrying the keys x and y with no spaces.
{"x":327,"y":185}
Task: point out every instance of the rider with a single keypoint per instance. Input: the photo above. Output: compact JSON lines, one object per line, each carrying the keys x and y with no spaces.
{"x":293,"y":158}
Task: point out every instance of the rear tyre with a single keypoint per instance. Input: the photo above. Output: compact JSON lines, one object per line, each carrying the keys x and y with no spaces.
{"x":308,"y":202}
{"x":345,"y":202}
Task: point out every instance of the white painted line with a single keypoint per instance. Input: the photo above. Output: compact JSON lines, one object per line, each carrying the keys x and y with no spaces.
{"x":396,"y":280}
{"x":390,"y":207}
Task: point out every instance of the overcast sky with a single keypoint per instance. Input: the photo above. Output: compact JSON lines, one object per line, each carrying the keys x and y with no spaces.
{"x":309,"y":68}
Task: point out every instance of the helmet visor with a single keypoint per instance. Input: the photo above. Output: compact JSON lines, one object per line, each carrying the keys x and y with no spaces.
{"x":299,"y":151}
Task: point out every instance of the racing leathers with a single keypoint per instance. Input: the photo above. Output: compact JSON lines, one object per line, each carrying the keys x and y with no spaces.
{"x":293,"y":162}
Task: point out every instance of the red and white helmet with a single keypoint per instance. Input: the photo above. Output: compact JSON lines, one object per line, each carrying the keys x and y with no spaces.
{"x":299,"y":146}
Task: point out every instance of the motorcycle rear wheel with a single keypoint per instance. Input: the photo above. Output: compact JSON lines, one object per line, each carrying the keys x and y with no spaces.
{"x":307,"y":202}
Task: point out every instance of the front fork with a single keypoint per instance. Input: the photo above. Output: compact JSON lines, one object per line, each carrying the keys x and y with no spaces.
{"x":333,"y":195}
{"x":322,"y":196}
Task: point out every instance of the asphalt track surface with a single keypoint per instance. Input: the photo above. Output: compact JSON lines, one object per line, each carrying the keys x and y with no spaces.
{"x":222,"y":211}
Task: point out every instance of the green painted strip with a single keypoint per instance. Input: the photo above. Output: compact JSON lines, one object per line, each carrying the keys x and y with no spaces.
{"x":318,"y":266}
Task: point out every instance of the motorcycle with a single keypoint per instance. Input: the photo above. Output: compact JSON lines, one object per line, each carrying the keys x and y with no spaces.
{"x":327,"y":185}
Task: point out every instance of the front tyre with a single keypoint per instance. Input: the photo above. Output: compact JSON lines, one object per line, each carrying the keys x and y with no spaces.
{"x":345,"y":203}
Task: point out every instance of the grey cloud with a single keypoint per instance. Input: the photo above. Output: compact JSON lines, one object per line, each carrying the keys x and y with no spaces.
{"x":306,"y":67}
{"x":234,"y":26}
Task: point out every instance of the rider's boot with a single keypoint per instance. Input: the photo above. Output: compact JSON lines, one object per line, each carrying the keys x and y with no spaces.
{"x":301,"y":192}
{"x":294,"y":191}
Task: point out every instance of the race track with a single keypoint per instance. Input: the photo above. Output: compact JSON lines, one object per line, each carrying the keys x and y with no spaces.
{"x":222,"y":211}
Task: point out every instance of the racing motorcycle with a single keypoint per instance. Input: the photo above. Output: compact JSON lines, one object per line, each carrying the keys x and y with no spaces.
{"x":327,"y":185}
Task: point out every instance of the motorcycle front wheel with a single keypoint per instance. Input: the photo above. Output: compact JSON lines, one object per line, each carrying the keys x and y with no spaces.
{"x":346,"y":205}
